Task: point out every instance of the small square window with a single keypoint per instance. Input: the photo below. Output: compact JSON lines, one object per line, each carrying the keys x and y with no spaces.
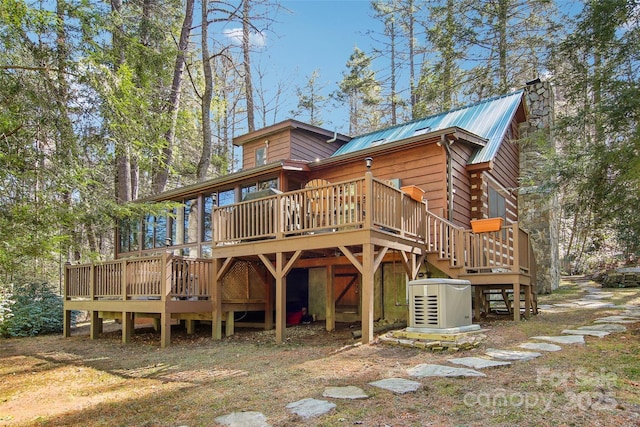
{"x":261,"y":156}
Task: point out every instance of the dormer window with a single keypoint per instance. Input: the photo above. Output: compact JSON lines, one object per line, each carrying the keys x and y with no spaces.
{"x":421,"y":131}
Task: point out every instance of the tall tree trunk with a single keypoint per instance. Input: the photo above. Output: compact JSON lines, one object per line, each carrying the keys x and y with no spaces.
{"x":122,"y":149}
{"x":207,"y":96}
{"x":162,"y":172}
{"x":503,"y":78}
{"x":394,"y":102}
{"x":412,"y":52}
{"x":248,"y":84}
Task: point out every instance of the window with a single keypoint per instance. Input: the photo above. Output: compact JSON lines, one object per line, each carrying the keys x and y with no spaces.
{"x":261,"y":156}
{"x":128,"y":235}
{"x":191,"y":213}
{"x":209,"y":203}
{"x":497,"y":206}
{"x":227,"y":197}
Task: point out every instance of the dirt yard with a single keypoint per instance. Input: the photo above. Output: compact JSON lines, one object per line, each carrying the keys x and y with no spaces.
{"x":51,"y":381}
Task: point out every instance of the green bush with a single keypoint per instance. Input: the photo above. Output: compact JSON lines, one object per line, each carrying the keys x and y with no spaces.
{"x":28,"y":309}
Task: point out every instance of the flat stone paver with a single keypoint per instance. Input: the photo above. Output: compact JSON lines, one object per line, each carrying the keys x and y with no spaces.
{"x":309,"y":407}
{"x":599,"y":295}
{"x":616,"y":319}
{"x":540,"y":346}
{"x":428,"y":370}
{"x":592,"y":333}
{"x":397,"y":385}
{"x":478,"y":362}
{"x":348,"y":392}
{"x":608,"y":327}
{"x":562,"y":339}
{"x":512,"y":354}
{"x":243,"y":419}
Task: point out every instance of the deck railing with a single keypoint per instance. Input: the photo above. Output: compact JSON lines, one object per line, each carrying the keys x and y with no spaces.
{"x":505,"y":250}
{"x":324,"y":208}
{"x":153,"y":277}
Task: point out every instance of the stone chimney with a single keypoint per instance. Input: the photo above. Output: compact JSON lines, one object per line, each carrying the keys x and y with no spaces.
{"x":538,"y":205}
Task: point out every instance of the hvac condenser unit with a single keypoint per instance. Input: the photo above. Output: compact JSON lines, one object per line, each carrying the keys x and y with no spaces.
{"x":439,"y":303}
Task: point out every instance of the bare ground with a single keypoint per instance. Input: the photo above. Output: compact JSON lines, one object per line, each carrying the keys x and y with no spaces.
{"x":51,"y":381}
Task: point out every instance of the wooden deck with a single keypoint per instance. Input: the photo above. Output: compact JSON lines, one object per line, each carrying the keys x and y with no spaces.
{"x":359,"y":221}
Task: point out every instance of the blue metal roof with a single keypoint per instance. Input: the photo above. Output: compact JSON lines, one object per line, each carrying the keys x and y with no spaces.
{"x":488,"y":119}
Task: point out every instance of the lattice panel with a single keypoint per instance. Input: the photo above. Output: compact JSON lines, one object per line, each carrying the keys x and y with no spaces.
{"x":244,"y":281}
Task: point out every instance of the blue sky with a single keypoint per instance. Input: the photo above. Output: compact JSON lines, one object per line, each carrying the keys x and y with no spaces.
{"x":316,"y":34}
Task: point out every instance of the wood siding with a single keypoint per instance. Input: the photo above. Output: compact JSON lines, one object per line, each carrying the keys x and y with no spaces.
{"x":505,"y":173}
{"x":421,"y":165}
{"x":289,"y":144}
{"x":460,"y":153}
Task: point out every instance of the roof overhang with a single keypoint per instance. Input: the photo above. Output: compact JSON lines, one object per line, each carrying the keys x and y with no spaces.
{"x":229,"y":180}
{"x":454,"y":133}
{"x":288,"y":125}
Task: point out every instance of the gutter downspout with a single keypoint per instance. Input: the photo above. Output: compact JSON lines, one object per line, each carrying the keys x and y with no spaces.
{"x":445,"y":143}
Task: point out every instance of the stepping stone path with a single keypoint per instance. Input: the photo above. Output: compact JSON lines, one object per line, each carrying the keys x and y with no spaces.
{"x":592,"y":333}
{"x":478,"y":362}
{"x":309,"y":408}
{"x":348,"y":392}
{"x":540,"y":346}
{"x":512,"y":354}
{"x":563,"y":339}
{"x":243,"y":419}
{"x":428,"y":370}
{"x":607,"y":327}
{"x":397,"y":385}
{"x":616,"y":319}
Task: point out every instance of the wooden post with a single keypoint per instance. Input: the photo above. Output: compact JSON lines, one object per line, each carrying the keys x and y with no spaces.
{"x":367,"y":292}
{"x":127,"y":327}
{"x":96,"y":325}
{"x":281,"y":299}
{"x":66,"y":323}
{"x":330,"y":304}
{"x":191,"y":326}
{"x":516,"y":300}
{"x":216,"y":300}
{"x":229,"y":325}
{"x":368,"y":202}
{"x":123,"y":284}
{"x":165,"y":329}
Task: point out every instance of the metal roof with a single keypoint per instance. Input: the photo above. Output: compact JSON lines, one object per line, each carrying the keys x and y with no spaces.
{"x":488,"y":119}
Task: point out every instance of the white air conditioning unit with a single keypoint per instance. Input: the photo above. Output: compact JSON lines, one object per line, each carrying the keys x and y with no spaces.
{"x":439,"y":303}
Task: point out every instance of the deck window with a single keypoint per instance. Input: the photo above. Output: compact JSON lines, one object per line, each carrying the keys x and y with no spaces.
{"x":128,"y":235}
{"x":209,"y":203}
{"x":190,"y":223}
{"x":227,"y":197}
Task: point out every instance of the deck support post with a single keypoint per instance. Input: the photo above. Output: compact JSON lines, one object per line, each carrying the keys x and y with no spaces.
{"x":96,"y":325}
{"x":281,"y":299}
{"x":229,"y":326}
{"x":165,"y":329}
{"x":330,"y":305}
{"x":216,"y":299}
{"x":516,"y":301}
{"x":127,"y":326}
{"x":368,"y":271}
{"x":66,"y":323}
{"x":191,"y":326}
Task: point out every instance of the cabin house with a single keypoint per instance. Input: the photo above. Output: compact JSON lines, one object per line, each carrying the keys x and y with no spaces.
{"x":328,"y":222}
